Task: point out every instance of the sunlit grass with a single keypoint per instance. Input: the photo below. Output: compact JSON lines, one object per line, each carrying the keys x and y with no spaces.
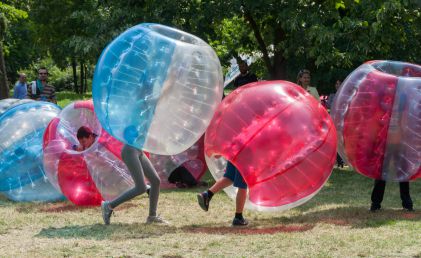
{"x":335,"y":223}
{"x":64,"y":98}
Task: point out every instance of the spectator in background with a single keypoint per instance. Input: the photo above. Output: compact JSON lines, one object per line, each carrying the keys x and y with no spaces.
{"x":245,"y":76}
{"x":339,"y":161}
{"x":40,"y":89}
{"x":20,"y":89}
{"x":331,"y":97}
{"x":304,"y":79}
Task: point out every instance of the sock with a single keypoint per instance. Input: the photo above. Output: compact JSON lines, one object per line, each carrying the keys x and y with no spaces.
{"x":210,"y":194}
{"x":239,"y":215}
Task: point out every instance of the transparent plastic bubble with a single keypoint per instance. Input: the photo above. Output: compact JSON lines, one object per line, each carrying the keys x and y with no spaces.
{"x":22,"y":126}
{"x":192,"y":159}
{"x":274,"y":139}
{"x":85,"y":177}
{"x":156,"y":88}
{"x":386,"y":109}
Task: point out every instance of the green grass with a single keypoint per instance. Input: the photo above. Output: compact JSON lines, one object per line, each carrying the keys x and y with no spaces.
{"x":335,"y":223}
{"x":66,"y":97}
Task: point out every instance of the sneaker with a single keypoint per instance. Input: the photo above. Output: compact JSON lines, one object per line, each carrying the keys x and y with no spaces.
{"x":375,"y":208}
{"x":106,"y":212}
{"x":408,"y":209}
{"x":156,"y":219}
{"x":203,"y":200}
{"x":240,"y":222}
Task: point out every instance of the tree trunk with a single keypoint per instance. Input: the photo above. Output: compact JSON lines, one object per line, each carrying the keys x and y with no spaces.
{"x":279,"y":63}
{"x":74,"y":67}
{"x":82,"y":72}
{"x":279,"y":68}
{"x":259,"y":39}
{"x":86,"y":79}
{"x":4,"y":87}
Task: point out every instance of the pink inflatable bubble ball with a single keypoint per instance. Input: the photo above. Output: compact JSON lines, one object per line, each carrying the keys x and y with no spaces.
{"x":377,"y":113}
{"x":279,"y":137}
{"x":86,"y":177}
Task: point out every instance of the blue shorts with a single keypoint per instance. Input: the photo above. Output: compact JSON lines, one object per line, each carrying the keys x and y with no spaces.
{"x":234,"y":175}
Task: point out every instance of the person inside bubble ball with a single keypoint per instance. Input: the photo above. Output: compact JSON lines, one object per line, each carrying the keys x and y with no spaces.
{"x":232,"y":176}
{"x":304,"y":79}
{"x":394,"y":138}
{"x":86,"y":138}
{"x":139,"y":166}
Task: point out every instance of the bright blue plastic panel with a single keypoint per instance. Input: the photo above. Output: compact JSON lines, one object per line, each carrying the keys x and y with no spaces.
{"x":127,"y":82}
{"x":40,"y":190}
{"x":156,"y":88}
{"x":22,"y":128}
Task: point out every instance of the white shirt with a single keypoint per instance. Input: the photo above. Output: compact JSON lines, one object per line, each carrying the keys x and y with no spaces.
{"x":313,"y":92}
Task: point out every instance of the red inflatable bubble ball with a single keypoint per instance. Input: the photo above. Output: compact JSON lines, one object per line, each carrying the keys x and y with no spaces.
{"x":279,"y":137}
{"x":85,"y":174}
{"x":377,"y":112}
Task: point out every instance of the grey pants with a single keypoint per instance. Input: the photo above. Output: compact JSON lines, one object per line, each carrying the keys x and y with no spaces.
{"x":139,"y":166}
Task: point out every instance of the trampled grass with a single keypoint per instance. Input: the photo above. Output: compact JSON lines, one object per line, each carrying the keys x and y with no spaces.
{"x":335,"y":223}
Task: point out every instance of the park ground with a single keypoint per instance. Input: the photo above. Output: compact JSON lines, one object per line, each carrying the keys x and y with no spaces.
{"x":335,"y":223}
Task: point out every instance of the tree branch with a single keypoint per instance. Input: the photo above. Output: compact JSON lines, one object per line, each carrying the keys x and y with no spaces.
{"x":259,"y":38}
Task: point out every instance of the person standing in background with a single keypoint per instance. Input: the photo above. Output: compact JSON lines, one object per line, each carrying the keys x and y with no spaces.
{"x":40,"y":89}
{"x":21,"y":87}
{"x":304,"y":79}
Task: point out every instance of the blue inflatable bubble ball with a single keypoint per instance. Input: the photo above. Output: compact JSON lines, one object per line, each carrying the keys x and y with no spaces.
{"x":156,"y":88}
{"x":22,"y":128}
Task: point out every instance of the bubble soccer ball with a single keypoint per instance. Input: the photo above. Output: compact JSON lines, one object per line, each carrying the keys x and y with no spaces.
{"x":89,"y":176}
{"x":6,"y":104}
{"x":279,"y":137}
{"x":156,"y":88}
{"x":22,"y":125}
{"x":377,"y":112}
{"x":40,"y":190}
{"x":192,"y":159}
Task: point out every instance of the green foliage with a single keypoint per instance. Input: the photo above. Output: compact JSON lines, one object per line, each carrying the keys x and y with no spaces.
{"x":12,"y":13}
{"x":330,"y":37}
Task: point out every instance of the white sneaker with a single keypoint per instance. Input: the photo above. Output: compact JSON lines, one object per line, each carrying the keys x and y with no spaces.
{"x":156,"y":219}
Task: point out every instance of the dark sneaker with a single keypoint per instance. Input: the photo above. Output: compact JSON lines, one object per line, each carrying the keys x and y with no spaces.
{"x":203,"y":200}
{"x":240,"y":222}
{"x":375,"y":208}
{"x":409,"y":209}
{"x":106,"y":212}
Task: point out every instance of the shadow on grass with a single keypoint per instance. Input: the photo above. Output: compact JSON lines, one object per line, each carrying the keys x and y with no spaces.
{"x":59,"y":207}
{"x":249,"y":230}
{"x":355,"y":217}
{"x":117,"y":231}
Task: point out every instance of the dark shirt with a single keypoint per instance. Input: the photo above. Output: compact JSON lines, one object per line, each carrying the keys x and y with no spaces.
{"x":244,"y":79}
